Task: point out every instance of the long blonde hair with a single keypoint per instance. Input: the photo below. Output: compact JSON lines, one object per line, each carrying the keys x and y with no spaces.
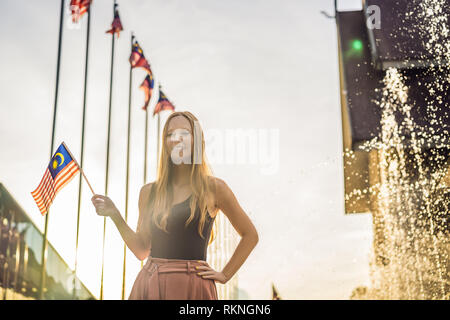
{"x":158,"y":204}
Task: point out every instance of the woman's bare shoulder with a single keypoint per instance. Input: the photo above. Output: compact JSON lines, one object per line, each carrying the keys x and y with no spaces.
{"x":145,"y":190}
{"x":216,"y":182}
{"x":212,"y":181}
{"x":148,"y":185}
{"x":219,"y":186}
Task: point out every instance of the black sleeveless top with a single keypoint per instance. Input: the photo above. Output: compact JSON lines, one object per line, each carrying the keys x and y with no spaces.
{"x":181,"y":242}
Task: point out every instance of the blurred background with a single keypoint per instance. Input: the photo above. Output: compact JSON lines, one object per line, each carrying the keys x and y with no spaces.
{"x":262,"y":70}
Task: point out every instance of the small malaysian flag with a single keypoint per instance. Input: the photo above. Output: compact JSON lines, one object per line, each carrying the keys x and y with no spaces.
{"x":137,"y":58}
{"x":275,"y":295}
{"x":163,"y":104}
{"x":59,"y":172}
{"x":147,"y":86}
{"x":78,"y":8}
{"x":116,"y":25}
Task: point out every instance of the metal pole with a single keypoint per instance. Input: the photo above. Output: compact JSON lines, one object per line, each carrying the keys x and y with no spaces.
{"x":157,"y":145}
{"x":145,"y":156}
{"x":82,"y":142}
{"x":128,"y":170}
{"x":145,"y":145}
{"x":107,"y":154}
{"x":55,"y":105}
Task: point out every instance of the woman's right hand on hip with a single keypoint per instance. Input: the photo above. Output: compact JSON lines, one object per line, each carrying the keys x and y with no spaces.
{"x":104,"y":205}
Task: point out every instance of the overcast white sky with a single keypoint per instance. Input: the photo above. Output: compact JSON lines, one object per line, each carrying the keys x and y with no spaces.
{"x":260,"y":66}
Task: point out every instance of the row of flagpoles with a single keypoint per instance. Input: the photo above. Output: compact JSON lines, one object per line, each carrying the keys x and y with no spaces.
{"x":60,"y":171}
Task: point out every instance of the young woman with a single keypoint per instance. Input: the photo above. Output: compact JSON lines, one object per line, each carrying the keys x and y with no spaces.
{"x":176,"y":215}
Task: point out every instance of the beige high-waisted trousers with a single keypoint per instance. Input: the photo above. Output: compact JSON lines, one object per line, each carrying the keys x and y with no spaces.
{"x":172,"y":279}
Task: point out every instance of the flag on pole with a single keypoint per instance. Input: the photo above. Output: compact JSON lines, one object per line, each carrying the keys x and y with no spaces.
{"x":275,"y":295}
{"x":147,"y":85}
{"x":59,"y":172}
{"x":137,"y":58}
{"x":116,"y":25}
{"x":163,"y":104}
{"x":78,"y":8}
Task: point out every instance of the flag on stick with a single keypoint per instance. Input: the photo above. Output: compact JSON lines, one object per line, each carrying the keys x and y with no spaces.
{"x":60,"y":171}
{"x":163,"y":104}
{"x":147,"y":85}
{"x":137,"y":58}
{"x":78,"y":8}
{"x":116,"y":25}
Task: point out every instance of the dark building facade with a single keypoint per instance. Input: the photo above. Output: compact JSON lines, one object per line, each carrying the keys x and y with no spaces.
{"x":20,"y":259}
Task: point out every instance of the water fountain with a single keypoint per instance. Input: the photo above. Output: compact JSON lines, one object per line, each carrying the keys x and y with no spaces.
{"x":396,"y":123}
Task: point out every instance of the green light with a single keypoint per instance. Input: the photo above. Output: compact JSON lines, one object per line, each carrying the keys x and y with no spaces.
{"x":357,"y":45}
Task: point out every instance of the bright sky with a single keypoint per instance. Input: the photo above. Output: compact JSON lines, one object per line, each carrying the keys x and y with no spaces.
{"x":265,"y":67}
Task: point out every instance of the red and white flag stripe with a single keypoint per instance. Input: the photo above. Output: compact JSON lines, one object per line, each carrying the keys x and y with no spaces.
{"x":48,"y":188}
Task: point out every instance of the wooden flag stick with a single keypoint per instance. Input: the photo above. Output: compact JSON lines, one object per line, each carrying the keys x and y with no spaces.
{"x":81,"y":170}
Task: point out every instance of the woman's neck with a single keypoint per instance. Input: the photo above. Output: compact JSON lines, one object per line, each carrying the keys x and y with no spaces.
{"x":180,"y":175}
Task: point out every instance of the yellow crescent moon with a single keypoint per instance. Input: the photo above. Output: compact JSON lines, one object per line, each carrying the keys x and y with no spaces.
{"x":55,"y":163}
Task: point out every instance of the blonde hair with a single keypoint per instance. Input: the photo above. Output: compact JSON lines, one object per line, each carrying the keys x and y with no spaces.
{"x":160,"y":199}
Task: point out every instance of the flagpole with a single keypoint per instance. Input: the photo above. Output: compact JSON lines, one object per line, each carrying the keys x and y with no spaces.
{"x":157,"y":144}
{"x":145,"y":145}
{"x":82,"y":142}
{"x":55,"y":104}
{"x":107,"y":152}
{"x":145,"y":155}
{"x":128,"y":170}
{"x":158,"y":126}
{"x":79,"y":167}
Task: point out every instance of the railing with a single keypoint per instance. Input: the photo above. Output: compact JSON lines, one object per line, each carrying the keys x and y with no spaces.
{"x":20,"y":259}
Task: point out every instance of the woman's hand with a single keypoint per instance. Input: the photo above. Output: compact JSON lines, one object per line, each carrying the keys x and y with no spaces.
{"x":210,"y":273}
{"x":104,"y":206}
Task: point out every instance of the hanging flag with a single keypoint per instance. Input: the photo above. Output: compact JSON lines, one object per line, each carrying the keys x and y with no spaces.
{"x":163,"y":104}
{"x":137,"y":58}
{"x":147,"y":85}
{"x":275,"y":295}
{"x":116,"y":25}
{"x":78,"y":8}
{"x":60,"y":171}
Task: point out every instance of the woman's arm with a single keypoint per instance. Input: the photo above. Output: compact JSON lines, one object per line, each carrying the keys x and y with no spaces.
{"x":228,"y":204}
{"x":133,"y":240}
